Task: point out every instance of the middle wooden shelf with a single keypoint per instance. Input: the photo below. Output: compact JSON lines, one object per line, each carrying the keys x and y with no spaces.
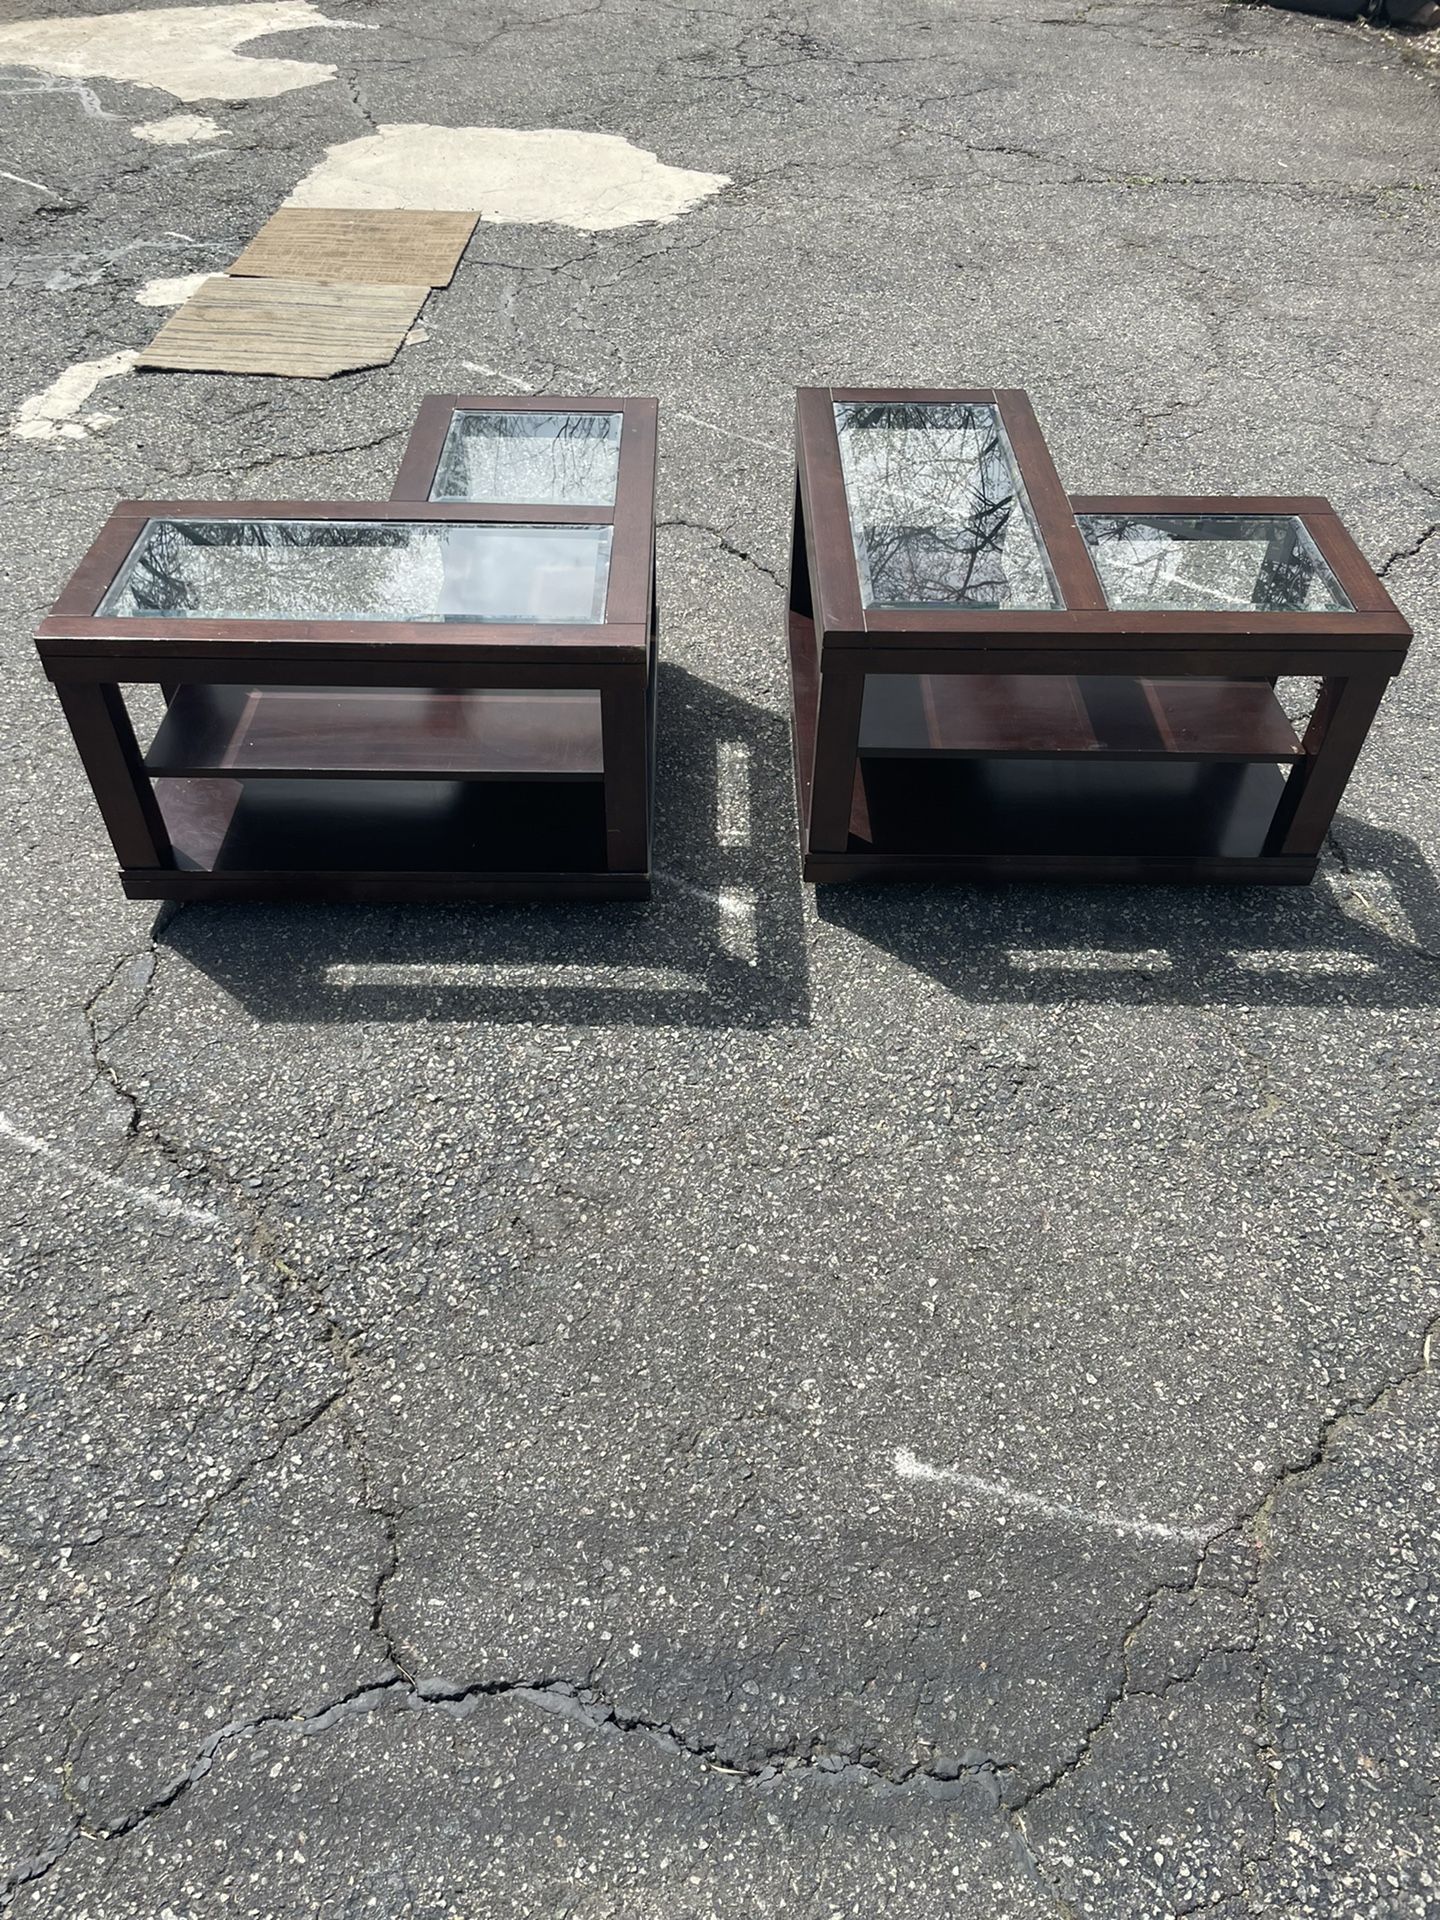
{"x":379,"y":732}
{"x":1102,"y":716}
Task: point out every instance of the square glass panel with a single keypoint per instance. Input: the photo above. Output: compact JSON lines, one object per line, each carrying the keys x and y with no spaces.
{"x":410,"y":570}
{"x":532,"y":459}
{"x":1210,"y":563}
{"x":938,"y":511}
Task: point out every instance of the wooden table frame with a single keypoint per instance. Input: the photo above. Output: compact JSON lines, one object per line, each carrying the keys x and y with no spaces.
{"x":837,"y":643}
{"x":91,"y":658}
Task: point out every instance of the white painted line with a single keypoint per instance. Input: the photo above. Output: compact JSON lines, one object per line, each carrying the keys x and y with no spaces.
{"x":39,"y":185}
{"x":151,"y":1197}
{"x":495,"y":373}
{"x":997,"y":1493}
{"x":728,"y":433}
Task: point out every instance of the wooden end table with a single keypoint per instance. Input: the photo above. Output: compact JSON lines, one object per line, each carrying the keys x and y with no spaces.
{"x":403,"y":701}
{"x":992,"y":681}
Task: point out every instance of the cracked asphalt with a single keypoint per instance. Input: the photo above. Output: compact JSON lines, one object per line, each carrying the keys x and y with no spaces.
{"x":921,"y":1405}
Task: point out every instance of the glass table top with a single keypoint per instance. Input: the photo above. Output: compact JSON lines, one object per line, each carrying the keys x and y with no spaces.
{"x":938,"y":511}
{"x":535,"y":459}
{"x":362,"y":570}
{"x":1210,"y":562}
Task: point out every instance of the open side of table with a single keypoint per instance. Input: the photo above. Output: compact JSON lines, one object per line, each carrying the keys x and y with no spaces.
{"x":492,"y":741}
{"x":944,"y":732}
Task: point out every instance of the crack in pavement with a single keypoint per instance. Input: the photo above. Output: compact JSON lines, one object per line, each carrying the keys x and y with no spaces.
{"x":582,"y":1704}
{"x":1254,"y":1523}
{"x":577,"y":1702}
{"x":1407,"y":553}
{"x":726,"y":545}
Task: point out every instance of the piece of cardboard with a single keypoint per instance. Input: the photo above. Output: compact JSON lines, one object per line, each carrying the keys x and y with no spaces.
{"x":307,"y":329}
{"x":378,"y":247}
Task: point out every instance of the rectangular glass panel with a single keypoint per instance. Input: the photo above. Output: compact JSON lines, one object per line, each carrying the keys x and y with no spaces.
{"x":534,"y":459}
{"x":938,"y":511}
{"x":1210,"y":563}
{"x":362,"y":570}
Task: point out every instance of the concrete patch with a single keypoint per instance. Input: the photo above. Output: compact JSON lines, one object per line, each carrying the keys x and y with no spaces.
{"x":186,"y":51}
{"x":178,"y":130}
{"x":51,"y":415}
{"x":173,"y":292}
{"x":593,"y":181}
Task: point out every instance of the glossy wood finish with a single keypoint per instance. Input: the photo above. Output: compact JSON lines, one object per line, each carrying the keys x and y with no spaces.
{"x":1076,"y":743}
{"x":384,"y":732}
{"x":1099,"y":716}
{"x":360,"y":760}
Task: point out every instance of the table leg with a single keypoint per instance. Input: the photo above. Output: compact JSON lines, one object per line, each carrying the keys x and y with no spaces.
{"x":624,"y":738}
{"x":837,"y":743}
{"x":1333,"y":740}
{"x":110,"y":755}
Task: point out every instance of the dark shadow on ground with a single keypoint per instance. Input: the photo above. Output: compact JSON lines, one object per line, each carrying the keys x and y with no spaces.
{"x":721,"y":943}
{"x":1365,"y":934}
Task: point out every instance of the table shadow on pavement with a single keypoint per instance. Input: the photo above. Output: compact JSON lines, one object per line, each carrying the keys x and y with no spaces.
{"x":720,"y":944}
{"x":1365,"y":933}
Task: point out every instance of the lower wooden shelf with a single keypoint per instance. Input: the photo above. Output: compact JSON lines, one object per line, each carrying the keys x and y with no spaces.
{"x":1063,"y":808}
{"x":387,"y":838}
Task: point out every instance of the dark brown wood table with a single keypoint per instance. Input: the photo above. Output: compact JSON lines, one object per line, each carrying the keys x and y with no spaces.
{"x":429,"y":699}
{"x":994,"y":681}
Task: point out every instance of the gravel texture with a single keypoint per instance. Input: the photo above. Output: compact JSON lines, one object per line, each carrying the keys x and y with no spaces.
{"x":910,"y":1402}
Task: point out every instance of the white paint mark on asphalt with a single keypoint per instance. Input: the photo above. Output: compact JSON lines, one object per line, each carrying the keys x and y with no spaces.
{"x":729,"y":433}
{"x":55,"y":83}
{"x":185,"y":51}
{"x":495,"y":373}
{"x":65,"y":281}
{"x":38,"y":185}
{"x":178,"y":130}
{"x":998,"y":1494}
{"x":524,"y":177}
{"x":174,"y":292}
{"x":151,"y":1197}
{"x":51,"y":415}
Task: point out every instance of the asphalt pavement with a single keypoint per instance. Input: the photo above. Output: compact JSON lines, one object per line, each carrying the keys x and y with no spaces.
{"x":760,"y":1403}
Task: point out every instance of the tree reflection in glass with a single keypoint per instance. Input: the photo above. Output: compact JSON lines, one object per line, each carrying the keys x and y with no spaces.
{"x":363,"y":570}
{"x":1211,"y":562}
{"x":535,"y":459}
{"x":938,"y":510}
